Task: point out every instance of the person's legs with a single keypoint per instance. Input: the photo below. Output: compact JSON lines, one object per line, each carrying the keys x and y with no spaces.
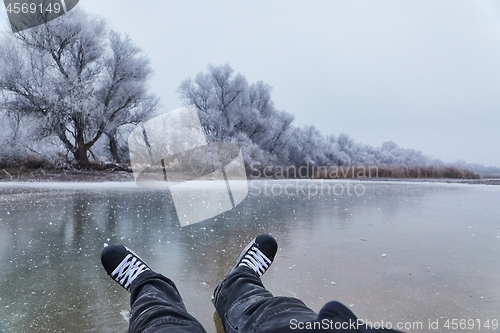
{"x":156,"y":305}
{"x":244,"y":305}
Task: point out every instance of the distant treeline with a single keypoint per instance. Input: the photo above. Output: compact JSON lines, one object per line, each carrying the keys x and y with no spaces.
{"x":360,"y":172}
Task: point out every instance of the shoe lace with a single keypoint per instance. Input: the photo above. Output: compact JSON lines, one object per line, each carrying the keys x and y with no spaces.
{"x":128,"y":270}
{"x":256,"y":260}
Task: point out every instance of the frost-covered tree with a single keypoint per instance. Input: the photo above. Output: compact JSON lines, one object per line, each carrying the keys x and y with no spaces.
{"x":80,"y":79}
{"x":307,"y":147}
{"x":232,"y":110}
{"x":218,"y":95}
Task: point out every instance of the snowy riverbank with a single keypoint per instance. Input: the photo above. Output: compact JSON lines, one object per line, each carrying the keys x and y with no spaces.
{"x":98,"y":176}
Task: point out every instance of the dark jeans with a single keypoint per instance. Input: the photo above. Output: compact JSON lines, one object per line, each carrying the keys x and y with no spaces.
{"x":157,"y":306}
{"x":243,"y":304}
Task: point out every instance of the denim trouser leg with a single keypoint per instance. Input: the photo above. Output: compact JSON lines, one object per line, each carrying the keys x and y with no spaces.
{"x":244,"y":305}
{"x":157,"y":306}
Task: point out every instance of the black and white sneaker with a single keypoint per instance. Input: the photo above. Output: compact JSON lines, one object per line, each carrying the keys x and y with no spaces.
{"x":122,"y":264}
{"x":258,"y":254}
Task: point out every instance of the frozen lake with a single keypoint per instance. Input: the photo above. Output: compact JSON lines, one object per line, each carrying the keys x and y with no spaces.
{"x":391,"y":251}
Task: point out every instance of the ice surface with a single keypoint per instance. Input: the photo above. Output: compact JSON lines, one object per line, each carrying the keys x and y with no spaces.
{"x":51,"y":236}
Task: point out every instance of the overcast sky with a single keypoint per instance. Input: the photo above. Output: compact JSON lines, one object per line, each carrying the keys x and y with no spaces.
{"x":424,"y":74}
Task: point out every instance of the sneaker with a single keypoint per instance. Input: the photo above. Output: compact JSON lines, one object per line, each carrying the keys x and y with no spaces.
{"x":122,"y":264}
{"x":258,"y":254}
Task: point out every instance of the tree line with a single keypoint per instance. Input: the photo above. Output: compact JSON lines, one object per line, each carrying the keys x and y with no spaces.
{"x":72,"y":89}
